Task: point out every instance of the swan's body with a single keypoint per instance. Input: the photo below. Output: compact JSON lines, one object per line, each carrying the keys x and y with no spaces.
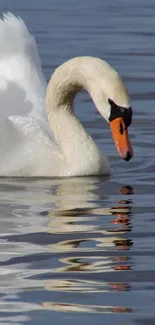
{"x":32,"y":144}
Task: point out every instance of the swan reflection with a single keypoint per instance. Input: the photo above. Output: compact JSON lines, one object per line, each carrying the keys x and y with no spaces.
{"x":84,"y":286}
{"x":95,"y":240}
{"x":80,"y":240}
{"x":68,"y":307}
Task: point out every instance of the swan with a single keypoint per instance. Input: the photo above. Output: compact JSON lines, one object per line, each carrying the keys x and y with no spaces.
{"x":40,"y":135}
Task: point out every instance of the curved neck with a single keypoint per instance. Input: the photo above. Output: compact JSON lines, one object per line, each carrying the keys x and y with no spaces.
{"x":89,"y":73}
{"x":81,"y":72}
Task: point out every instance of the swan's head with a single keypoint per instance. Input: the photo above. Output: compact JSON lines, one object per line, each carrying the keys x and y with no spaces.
{"x":120,"y":119}
{"x":113,"y":103}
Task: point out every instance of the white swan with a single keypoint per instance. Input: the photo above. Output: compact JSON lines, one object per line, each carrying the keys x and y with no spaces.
{"x":30,"y":143}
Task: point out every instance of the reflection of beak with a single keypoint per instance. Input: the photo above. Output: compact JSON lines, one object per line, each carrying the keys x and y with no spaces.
{"x":121,"y":139}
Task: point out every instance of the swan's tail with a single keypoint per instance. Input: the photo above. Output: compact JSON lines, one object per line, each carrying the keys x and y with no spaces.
{"x":20,"y":67}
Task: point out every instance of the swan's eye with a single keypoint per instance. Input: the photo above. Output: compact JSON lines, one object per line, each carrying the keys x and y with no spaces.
{"x":118,"y":111}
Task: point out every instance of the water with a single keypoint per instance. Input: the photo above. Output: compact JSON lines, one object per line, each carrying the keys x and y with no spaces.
{"x":82,"y":250}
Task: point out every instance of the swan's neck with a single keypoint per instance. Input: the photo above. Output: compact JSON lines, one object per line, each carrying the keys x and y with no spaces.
{"x":66,"y":81}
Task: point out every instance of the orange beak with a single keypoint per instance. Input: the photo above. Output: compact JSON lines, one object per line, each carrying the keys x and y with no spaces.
{"x":121,"y":139}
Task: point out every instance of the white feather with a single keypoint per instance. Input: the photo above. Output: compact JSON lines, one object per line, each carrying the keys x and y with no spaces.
{"x":22,"y":83}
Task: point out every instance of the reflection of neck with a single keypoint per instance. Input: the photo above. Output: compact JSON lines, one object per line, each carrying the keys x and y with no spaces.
{"x":76,"y":192}
{"x":67,"y":80}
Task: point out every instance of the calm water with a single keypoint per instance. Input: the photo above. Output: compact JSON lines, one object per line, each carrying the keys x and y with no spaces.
{"x":82,"y":250}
